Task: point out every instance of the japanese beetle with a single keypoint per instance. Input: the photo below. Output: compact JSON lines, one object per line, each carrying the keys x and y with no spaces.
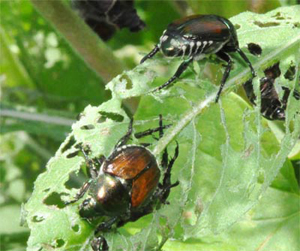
{"x":196,"y":36}
{"x":127,"y":185}
{"x":272,"y":107}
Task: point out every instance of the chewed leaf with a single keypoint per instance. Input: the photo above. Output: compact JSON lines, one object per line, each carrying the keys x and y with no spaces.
{"x":131,"y":83}
{"x":46,"y":209}
{"x":228,"y":154}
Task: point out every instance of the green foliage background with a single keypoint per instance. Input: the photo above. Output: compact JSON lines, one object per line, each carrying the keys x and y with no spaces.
{"x":237,"y":171}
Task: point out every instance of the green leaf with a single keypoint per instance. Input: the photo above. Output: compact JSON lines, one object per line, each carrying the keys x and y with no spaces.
{"x":271,"y":225}
{"x":229,"y":156}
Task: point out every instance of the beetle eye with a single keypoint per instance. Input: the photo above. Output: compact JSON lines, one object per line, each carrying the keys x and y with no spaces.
{"x":278,"y":111}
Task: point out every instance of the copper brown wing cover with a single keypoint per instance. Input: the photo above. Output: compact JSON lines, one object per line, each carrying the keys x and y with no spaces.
{"x":139,"y":165}
{"x":129,"y":162}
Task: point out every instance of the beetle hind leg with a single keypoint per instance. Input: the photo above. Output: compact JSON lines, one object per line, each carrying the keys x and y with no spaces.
{"x":166,"y":186}
{"x":224,"y":56}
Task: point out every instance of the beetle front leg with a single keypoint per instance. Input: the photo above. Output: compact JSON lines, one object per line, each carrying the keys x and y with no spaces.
{"x":90,"y":164}
{"x":80,"y":193}
{"x":184,"y":65}
{"x":151,"y":54}
{"x":226,"y":58}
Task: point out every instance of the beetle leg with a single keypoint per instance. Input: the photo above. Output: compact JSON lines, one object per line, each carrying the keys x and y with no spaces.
{"x":164,"y":160}
{"x":151,"y":131}
{"x":177,"y":74}
{"x":150,"y":54}
{"x":99,"y":244}
{"x":126,"y":137}
{"x":243,"y":55}
{"x":166,"y":185}
{"x":106,"y":225}
{"x":161,"y":129}
{"x":80,"y":193}
{"x":90,"y":164}
{"x":224,"y":56}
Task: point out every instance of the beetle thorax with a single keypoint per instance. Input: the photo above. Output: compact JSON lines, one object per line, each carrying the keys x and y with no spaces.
{"x":110,"y":197}
{"x":172,"y":45}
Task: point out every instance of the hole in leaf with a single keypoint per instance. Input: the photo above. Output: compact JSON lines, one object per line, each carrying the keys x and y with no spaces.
{"x":75,"y":180}
{"x":110,"y":115}
{"x":87,"y":127}
{"x":125,"y":79}
{"x":268,"y":24}
{"x":75,"y":228}
{"x":38,"y":218}
{"x":278,"y":16}
{"x":79,"y":116}
{"x":237,"y":26}
{"x":254,"y":49}
{"x":296,"y":25}
{"x":72,"y":155}
{"x":68,"y":144}
{"x":54,"y":199}
{"x":46,"y":190}
{"x":290,"y":73}
{"x":273,"y":71}
{"x":60,"y":243}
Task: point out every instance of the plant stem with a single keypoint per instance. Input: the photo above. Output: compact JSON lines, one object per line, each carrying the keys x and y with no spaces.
{"x":47,"y":119}
{"x":87,"y":44}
